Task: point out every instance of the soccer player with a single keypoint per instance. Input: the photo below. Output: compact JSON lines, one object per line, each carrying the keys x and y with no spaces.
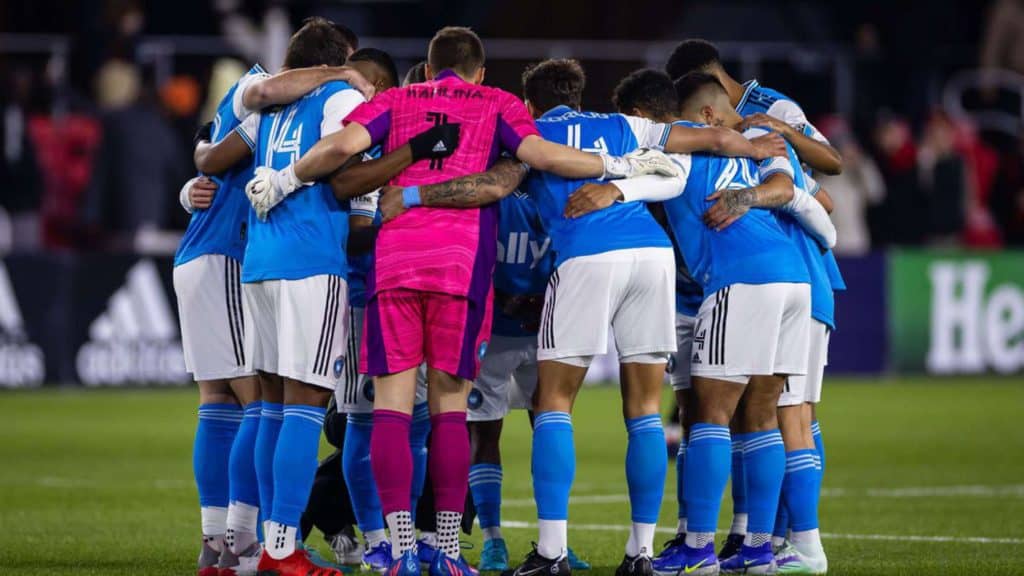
{"x":432,"y":267}
{"x":751,"y":329}
{"x":763,"y":106}
{"x":294,"y":280}
{"x":206,"y":279}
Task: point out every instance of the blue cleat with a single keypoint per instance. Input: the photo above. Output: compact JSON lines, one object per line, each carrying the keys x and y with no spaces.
{"x":426,"y":551}
{"x":494,"y":556}
{"x":406,"y":565}
{"x":575,"y":562}
{"x":672,"y":557}
{"x":751,"y":560}
{"x":378,"y":559}
{"x":699,"y":561}
{"x":445,"y":566}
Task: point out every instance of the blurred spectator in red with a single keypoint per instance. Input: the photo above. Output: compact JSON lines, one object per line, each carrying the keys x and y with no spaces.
{"x":1008,"y":195}
{"x":140,"y":164}
{"x":982,"y":161}
{"x":854,"y":191}
{"x":943,"y":177}
{"x":19,"y":170}
{"x":902,"y":218}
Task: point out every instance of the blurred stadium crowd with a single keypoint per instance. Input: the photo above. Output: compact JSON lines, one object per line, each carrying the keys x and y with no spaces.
{"x":95,"y":143}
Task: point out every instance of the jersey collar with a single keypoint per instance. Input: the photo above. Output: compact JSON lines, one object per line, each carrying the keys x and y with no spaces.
{"x":447,"y":73}
{"x":748,"y":87}
{"x":559,"y":110}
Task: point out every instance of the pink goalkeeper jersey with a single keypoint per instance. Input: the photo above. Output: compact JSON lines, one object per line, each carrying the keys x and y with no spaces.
{"x":449,"y":250}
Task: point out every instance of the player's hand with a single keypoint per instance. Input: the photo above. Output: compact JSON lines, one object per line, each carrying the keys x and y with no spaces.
{"x":768,"y":146}
{"x":438,"y":142}
{"x":731,"y":205}
{"x":591,"y":197}
{"x":760,"y":119}
{"x":390,"y":203}
{"x":269,"y":187}
{"x":200,"y":195}
{"x":357,"y":81}
{"x":638,"y":163}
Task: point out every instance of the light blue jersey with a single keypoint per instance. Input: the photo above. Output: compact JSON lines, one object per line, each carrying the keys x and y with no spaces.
{"x":304,"y":235}
{"x":525,"y":261}
{"x":689,"y":293}
{"x":359,"y":264}
{"x":221,"y":228}
{"x":621,"y":225}
{"x":753,"y":250}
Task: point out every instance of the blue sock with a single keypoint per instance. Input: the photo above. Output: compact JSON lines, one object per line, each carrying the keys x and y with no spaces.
{"x":355,"y":465}
{"x":739,"y":481}
{"x":215,"y":432}
{"x":553,"y":462}
{"x":646,"y":466}
{"x":798,"y":489}
{"x":418,"y":433}
{"x":707,"y":472}
{"x":819,"y":444}
{"x":764,"y":460}
{"x":680,"y":476}
{"x":485,"y":486}
{"x":781,"y":517}
{"x":263,"y":458}
{"x":242,"y":470}
{"x":295,"y":461}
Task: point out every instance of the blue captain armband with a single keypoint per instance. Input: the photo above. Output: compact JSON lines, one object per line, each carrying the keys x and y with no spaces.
{"x":411,"y":196}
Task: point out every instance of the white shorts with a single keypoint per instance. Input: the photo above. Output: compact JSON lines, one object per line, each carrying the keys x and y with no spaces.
{"x":633,"y":291}
{"x":507,"y":380}
{"x":680,"y":363}
{"x":354,"y":395}
{"x":748,"y":330}
{"x":211,"y":306}
{"x":800,"y":389}
{"x":299,"y":328}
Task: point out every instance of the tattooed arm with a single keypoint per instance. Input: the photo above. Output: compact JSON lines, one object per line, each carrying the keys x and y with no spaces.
{"x":775,"y":191}
{"x":470,"y":191}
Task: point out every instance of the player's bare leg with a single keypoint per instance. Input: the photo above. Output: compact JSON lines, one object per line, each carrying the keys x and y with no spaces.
{"x":219,"y":419}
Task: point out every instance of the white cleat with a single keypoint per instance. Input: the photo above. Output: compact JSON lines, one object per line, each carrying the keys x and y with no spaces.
{"x":790,"y":560}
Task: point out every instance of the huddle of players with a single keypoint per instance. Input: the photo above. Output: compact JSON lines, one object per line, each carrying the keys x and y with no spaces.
{"x":426,"y":296}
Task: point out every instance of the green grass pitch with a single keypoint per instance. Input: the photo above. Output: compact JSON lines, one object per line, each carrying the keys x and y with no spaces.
{"x":923,"y":477}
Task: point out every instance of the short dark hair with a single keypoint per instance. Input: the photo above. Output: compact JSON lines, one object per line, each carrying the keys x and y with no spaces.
{"x":692,"y":55}
{"x":316,"y":43}
{"x":649,"y":90}
{"x":416,"y":74}
{"x":696,"y":84}
{"x":380,"y":58}
{"x":554,"y":82}
{"x":457,"y":48}
{"x":349,"y":35}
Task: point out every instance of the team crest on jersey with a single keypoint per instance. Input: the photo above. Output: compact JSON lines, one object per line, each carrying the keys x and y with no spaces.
{"x":339,"y":365}
{"x":475,"y":399}
{"x":368,"y":390}
{"x":483,"y":350}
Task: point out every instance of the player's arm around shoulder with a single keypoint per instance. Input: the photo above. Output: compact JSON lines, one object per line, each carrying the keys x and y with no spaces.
{"x":237,"y":146}
{"x":264,"y":90}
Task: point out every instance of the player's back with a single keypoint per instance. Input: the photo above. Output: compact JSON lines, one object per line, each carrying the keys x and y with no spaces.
{"x":305,"y":234}
{"x":525,"y":260}
{"x":438,"y":249}
{"x":221,"y":228}
{"x":752,"y":250}
{"x":621,"y":225}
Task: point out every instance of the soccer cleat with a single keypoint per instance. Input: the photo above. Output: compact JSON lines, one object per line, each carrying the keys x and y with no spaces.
{"x":732,"y":546}
{"x":672,"y":557}
{"x":789,"y":560}
{"x":751,"y":560}
{"x":494,"y":556}
{"x":405,"y":565}
{"x":575,"y":562}
{"x":346,"y":548}
{"x":426,"y":550}
{"x":537,"y":565}
{"x":243,"y":564}
{"x":699,"y":561}
{"x":378,"y":559}
{"x":445,"y":566}
{"x":209,"y":556}
{"x":296,"y":564}
{"x":639,"y":565}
